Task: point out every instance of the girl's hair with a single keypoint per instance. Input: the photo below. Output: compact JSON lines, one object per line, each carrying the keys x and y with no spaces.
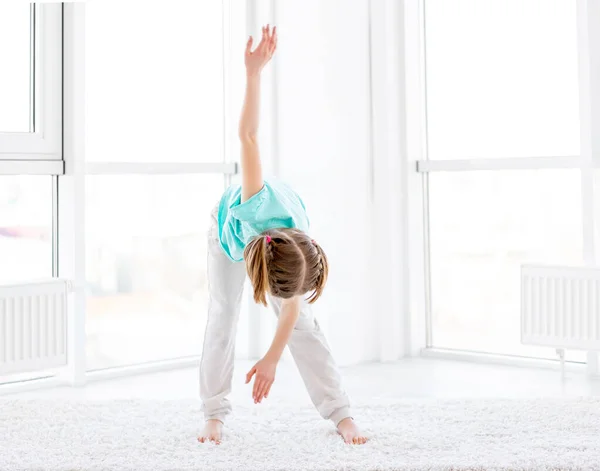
{"x":285,"y":263}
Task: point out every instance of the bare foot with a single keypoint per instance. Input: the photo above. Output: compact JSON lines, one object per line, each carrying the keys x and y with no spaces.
{"x":350,"y":433}
{"x":212,"y":432}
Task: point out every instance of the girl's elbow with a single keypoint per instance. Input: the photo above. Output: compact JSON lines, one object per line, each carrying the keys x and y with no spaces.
{"x":249,"y":137}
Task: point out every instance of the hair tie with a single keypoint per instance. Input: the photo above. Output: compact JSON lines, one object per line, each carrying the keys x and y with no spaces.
{"x":268,"y":239}
{"x":313,"y":242}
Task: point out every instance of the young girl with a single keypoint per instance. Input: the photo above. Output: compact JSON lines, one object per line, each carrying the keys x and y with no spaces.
{"x":264,"y":223}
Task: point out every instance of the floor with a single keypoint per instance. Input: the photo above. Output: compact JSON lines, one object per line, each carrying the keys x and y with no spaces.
{"x":410,"y":378}
{"x":158,"y":424}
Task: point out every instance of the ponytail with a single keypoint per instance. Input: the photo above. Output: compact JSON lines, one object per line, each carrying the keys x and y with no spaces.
{"x":255,"y":255}
{"x":322,"y":274}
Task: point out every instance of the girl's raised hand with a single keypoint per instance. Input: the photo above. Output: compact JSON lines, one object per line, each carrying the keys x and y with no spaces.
{"x":257,"y":59}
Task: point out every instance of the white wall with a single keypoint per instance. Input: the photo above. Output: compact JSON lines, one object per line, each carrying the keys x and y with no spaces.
{"x":332,"y":127}
{"x":324,"y":153}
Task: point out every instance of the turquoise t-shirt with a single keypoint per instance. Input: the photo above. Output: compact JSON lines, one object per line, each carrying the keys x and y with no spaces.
{"x":276,"y":205}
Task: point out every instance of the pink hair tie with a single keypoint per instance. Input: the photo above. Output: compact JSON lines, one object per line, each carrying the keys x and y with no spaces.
{"x":313,"y":242}
{"x":268,"y":239}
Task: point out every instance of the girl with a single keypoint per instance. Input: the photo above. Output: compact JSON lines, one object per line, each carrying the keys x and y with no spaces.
{"x":265,"y":224}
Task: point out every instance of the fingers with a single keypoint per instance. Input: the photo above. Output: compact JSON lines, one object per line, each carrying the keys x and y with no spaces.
{"x":249,"y":45}
{"x":264,"y":38}
{"x":257,"y":385}
{"x":261,"y":391}
{"x":273,"y":43}
{"x":250,"y":374}
{"x":255,"y":389}
{"x":268,"y":40}
{"x":268,"y":391}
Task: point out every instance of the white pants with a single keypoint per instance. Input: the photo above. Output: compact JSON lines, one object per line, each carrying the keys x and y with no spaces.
{"x":307,"y":343}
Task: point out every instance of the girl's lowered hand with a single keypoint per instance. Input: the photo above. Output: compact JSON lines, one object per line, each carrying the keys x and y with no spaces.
{"x":265,"y":376}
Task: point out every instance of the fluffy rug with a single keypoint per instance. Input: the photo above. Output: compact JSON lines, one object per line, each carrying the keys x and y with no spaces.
{"x":492,"y":434}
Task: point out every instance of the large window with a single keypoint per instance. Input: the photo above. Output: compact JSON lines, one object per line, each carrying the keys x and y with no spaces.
{"x":30,"y":137}
{"x":149,"y":114}
{"x":502,"y":128}
{"x":146,"y":266}
{"x":30,"y":144}
{"x":156,"y":160}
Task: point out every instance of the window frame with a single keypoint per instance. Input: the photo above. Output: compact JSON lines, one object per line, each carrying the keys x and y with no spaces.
{"x":40,"y":152}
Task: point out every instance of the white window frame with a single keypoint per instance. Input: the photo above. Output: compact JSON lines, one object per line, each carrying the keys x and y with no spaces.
{"x":588,"y":15}
{"x":40,"y":152}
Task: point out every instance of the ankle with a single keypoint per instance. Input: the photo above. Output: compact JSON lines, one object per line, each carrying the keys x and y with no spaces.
{"x":345,"y":422}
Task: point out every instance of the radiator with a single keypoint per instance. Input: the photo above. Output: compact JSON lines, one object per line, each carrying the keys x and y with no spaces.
{"x":33,"y":326}
{"x":560,"y":307}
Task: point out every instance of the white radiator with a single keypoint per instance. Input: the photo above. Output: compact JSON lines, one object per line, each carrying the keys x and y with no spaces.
{"x":33,"y":326}
{"x":560,"y":307}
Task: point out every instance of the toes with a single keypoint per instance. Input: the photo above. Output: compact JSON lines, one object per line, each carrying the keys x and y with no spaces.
{"x":355,"y":440}
{"x":201,"y":439}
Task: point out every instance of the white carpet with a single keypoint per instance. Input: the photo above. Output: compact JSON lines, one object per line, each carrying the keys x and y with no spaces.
{"x":478,"y":434}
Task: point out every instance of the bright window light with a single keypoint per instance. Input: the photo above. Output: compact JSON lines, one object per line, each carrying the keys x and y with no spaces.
{"x":483,"y":227}
{"x":154,"y":81}
{"x":25,"y":227}
{"x":146,"y":266}
{"x":15,"y":58}
{"x":501,"y":78}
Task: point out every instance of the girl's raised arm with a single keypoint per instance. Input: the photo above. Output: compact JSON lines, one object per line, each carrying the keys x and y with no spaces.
{"x":252,"y":179}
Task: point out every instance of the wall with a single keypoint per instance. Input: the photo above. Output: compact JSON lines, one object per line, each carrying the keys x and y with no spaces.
{"x":332,"y":127}
{"x":324,"y":153}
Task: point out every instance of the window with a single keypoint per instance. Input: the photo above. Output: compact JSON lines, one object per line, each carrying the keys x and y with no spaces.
{"x":146,"y":266}
{"x":31,"y":86}
{"x":156,"y":163}
{"x":502,"y":92}
{"x":501,"y":78}
{"x":30,"y":51}
{"x":156,"y":95}
{"x":30,"y":144}
{"x":484,"y":226}
{"x":25,"y":227}
{"x":15,"y":54}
